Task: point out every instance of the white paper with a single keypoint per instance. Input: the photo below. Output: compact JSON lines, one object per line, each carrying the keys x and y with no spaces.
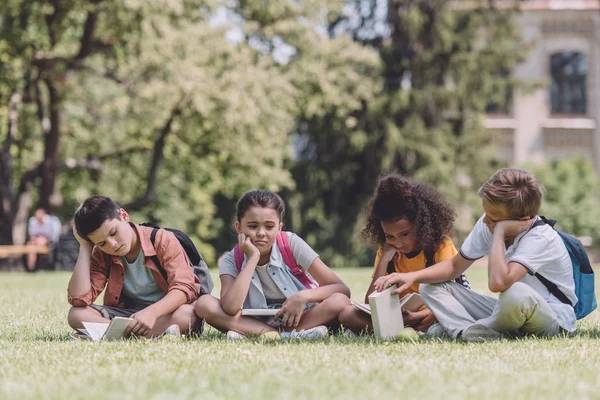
{"x":95,"y":330}
{"x":105,"y":331}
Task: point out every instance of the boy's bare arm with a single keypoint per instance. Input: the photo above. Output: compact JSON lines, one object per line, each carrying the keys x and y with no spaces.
{"x":501,"y":275}
{"x":441,"y":272}
{"x":80,"y":282}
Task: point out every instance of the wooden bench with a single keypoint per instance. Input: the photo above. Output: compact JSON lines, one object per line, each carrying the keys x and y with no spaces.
{"x":8,"y":251}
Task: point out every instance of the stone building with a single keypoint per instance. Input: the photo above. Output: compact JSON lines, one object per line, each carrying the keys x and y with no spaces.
{"x":560,"y":118}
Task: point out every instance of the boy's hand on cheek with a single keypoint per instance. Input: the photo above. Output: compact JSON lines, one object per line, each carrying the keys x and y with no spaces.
{"x":511,"y":228}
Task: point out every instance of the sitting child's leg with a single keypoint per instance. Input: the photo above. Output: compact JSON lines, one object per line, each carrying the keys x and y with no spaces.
{"x":521,"y":308}
{"x":77,"y":315}
{"x":209,"y":308}
{"x":324,"y":313}
{"x":355,"y":320}
{"x":456,"y":307}
{"x":184,"y":317}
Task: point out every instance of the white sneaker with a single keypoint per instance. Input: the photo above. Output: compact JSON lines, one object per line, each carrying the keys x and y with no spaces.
{"x":480,"y":333}
{"x":437,"y":331}
{"x":233,"y":335}
{"x":318,"y":332}
{"x":172,"y":332}
{"x":349,"y":334}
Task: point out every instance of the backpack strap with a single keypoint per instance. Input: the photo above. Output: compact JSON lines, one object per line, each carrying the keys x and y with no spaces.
{"x":552,"y":288}
{"x":154,"y":258}
{"x":239,"y":257}
{"x":288,"y":258}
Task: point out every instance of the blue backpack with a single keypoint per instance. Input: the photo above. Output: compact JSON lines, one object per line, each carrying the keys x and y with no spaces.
{"x":583,"y":274}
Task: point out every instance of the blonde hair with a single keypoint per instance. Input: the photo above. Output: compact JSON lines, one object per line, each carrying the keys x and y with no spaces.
{"x":519,"y":191}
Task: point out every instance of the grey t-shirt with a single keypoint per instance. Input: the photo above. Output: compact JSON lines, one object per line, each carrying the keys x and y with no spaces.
{"x":302,"y":252}
{"x":270,"y":289}
{"x":139,"y":287}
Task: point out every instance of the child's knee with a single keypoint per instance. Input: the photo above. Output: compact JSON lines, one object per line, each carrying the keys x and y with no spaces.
{"x":184,"y":317}
{"x":516,"y":295}
{"x":427,"y":290}
{"x":207,"y":306}
{"x":337,"y":302}
{"x":346,"y":315}
{"x":75,"y":317}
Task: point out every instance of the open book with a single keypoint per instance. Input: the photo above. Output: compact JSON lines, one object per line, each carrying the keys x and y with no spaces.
{"x":411,"y":302}
{"x":106,"y":331}
{"x":386,"y":311}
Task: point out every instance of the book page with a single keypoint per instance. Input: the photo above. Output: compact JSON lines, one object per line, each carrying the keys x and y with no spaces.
{"x":95,"y":330}
{"x":362,"y":307}
{"x":412,"y":302}
{"x":116,"y":329}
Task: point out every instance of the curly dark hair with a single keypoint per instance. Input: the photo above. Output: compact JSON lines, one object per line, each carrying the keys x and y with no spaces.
{"x":398,"y":197}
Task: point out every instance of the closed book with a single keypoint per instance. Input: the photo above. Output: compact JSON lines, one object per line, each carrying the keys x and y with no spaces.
{"x":386,"y":313}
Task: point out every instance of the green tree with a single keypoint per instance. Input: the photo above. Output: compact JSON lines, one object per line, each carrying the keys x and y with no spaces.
{"x":441,"y":65}
{"x":572,"y":196}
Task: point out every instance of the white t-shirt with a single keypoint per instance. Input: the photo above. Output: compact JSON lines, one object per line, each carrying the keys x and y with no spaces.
{"x":539,"y":250}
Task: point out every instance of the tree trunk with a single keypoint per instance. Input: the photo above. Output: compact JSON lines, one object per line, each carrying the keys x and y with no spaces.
{"x":6,"y":171}
{"x":51,"y":162}
{"x":157,"y":157}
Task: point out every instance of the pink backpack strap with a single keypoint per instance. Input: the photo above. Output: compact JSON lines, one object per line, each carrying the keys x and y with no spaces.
{"x":239,"y":257}
{"x":288,"y":258}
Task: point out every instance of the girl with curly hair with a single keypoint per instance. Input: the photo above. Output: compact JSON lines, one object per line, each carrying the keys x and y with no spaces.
{"x":411,"y":222}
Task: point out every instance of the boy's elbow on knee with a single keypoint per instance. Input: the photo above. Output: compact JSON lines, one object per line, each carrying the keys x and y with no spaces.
{"x":496,"y":287}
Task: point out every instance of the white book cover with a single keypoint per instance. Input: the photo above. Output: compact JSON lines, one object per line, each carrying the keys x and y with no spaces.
{"x":260,"y":312}
{"x":411,"y":302}
{"x":106,"y":331}
{"x":386,"y":313}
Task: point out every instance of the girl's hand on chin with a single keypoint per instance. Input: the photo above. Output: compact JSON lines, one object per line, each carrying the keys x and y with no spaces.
{"x":247,"y":246}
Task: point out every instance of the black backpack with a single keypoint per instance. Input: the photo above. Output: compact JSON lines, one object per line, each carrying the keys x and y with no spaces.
{"x":429,"y":261}
{"x":197,"y":262}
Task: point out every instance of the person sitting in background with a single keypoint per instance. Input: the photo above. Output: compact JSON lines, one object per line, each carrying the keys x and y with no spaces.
{"x":43,"y":230}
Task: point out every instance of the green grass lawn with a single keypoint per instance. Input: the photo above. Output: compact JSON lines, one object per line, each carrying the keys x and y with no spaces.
{"x":37,"y":360}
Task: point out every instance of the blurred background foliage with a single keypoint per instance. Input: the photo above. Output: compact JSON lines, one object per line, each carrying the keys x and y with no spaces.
{"x":175,"y":108}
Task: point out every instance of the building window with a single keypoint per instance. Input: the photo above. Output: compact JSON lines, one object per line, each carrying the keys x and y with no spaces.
{"x":568,"y":92}
{"x":501,"y":94}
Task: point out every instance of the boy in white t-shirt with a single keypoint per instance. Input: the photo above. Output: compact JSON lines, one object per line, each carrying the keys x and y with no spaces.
{"x":511,"y":200}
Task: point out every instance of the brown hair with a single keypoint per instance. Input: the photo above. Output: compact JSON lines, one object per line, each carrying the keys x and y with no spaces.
{"x":262,"y":199}
{"x":519,"y":191}
{"x":93,"y":212}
